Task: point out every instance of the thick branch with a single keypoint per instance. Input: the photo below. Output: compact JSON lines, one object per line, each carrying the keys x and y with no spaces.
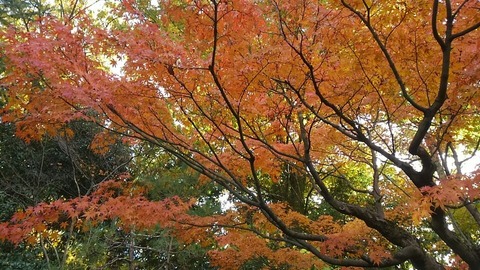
{"x":468,"y":252}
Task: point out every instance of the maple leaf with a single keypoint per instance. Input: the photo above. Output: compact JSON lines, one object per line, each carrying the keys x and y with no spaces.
{"x":64,"y":225}
{"x":82,"y":204}
{"x":90,"y":214}
{"x":32,"y":240}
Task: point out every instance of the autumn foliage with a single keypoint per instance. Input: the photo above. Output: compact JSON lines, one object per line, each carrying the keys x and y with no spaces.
{"x":112,"y":200}
{"x":371,"y":105}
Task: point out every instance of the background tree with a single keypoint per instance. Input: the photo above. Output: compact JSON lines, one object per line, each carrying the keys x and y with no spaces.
{"x":375,"y":96}
{"x":70,"y":165}
{"x":60,"y":167}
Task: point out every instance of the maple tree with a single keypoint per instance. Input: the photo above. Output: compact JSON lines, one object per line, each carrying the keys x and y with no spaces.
{"x":368,"y":108}
{"x":60,"y":167}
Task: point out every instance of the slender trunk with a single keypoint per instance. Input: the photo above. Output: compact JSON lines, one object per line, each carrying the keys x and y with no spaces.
{"x":44,"y":250}
{"x":131,"y":252}
{"x":167,"y":265}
